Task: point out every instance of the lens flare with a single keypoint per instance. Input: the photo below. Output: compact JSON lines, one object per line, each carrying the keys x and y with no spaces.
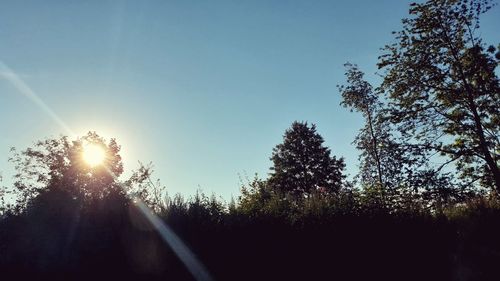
{"x":93,"y":154}
{"x":24,"y":89}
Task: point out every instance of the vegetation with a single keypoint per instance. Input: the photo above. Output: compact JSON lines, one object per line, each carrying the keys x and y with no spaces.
{"x":302,"y":165}
{"x":403,"y":218}
{"x":443,"y":90}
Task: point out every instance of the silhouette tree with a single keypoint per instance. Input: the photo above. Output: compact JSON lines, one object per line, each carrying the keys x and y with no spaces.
{"x":75,"y":217}
{"x":358,"y":95}
{"x":59,"y":164}
{"x":443,"y":90}
{"x":141,"y":185}
{"x":303,"y":165}
{"x":387,"y":162}
{"x":3,"y":204}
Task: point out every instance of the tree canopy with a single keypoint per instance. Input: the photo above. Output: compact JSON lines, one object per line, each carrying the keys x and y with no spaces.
{"x":302,"y":164}
{"x":58,"y":165}
{"x":444,"y":94}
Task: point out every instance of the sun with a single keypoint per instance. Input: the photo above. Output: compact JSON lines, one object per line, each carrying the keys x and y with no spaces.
{"x":93,"y":154}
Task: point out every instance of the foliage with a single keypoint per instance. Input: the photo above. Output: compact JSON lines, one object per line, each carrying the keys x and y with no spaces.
{"x":141,"y":185}
{"x":302,"y":165}
{"x":409,"y":220}
{"x":358,"y":95}
{"x":390,"y":167}
{"x":265,"y":234}
{"x":260,"y":199}
{"x":57,"y":164}
{"x":443,"y":90}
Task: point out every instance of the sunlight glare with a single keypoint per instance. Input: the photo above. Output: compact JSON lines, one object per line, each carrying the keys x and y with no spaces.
{"x":93,"y":154}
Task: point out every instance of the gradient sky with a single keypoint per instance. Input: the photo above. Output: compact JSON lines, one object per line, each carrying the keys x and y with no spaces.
{"x":203,"y":89}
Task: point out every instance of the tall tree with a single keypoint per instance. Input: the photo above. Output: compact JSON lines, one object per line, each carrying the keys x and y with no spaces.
{"x":401,"y":171}
{"x":358,"y":95}
{"x":443,"y":90}
{"x":303,"y":165}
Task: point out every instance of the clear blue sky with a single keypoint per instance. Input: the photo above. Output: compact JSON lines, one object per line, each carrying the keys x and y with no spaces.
{"x":203,"y":89}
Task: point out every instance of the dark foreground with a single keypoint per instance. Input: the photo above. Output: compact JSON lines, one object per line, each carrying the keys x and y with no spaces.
{"x":108,"y":242}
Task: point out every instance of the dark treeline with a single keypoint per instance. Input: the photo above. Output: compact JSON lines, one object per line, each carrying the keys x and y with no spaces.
{"x":337,"y":238}
{"x":424,"y":206}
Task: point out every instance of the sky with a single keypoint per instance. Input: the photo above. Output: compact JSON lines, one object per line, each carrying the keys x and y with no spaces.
{"x":202,"y":89}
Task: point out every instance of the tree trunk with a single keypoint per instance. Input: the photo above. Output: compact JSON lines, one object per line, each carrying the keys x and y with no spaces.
{"x":477,"y":119}
{"x":375,"y":148}
{"x":483,"y":145}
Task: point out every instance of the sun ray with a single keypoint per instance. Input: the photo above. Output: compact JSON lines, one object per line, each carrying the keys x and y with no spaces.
{"x":195,"y":267}
{"x":26,"y":90}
